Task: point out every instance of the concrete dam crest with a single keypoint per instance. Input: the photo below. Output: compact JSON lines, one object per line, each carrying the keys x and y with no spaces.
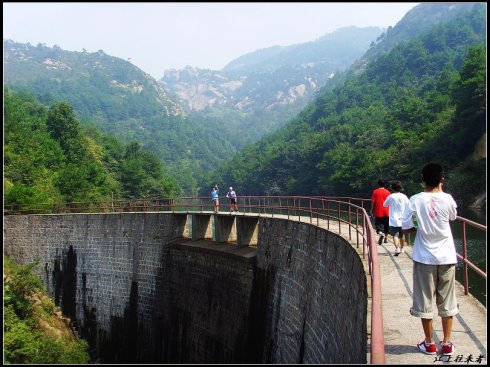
{"x":160,"y":287}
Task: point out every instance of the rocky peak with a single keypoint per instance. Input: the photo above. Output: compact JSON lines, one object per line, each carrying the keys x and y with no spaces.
{"x":270,"y":78}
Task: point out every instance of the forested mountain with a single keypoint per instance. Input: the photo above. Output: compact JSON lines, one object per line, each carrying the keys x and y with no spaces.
{"x":258,"y":92}
{"x":425,"y":100}
{"x":121,"y":99}
{"x":416,"y":91}
{"x":271,"y":77}
{"x":93,"y":83}
{"x":416,"y":21}
{"x":50,"y":158}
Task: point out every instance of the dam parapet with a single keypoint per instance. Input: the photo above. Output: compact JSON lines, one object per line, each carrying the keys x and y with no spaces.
{"x":159,"y":287}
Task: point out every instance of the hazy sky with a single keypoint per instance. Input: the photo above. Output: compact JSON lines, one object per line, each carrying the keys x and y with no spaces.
{"x":160,"y":36}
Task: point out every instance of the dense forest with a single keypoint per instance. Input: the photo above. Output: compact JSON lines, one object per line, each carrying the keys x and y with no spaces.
{"x":50,"y":157}
{"x":417,"y":95}
{"x":258,"y":92}
{"x":82,"y":136}
{"x":95,"y":84}
{"x":425,"y":100}
{"x":120,"y":99}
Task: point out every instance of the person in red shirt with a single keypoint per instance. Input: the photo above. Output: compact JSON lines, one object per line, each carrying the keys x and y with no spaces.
{"x":381,"y":214}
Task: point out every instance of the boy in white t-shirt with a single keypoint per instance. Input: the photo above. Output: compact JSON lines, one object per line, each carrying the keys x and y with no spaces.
{"x":398,"y":204}
{"x":434,"y":257}
{"x":231,"y":194}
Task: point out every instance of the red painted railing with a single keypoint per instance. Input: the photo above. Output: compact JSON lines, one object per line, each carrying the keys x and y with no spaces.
{"x":340,"y":212}
{"x":464,"y":257}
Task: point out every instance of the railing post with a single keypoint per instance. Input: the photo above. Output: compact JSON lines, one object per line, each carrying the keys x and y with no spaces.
{"x":364,"y":235}
{"x":328,"y":214}
{"x":357,"y":227}
{"x":311,"y":212}
{"x":299,"y":209}
{"x":465,"y":265}
{"x":328,"y":202}
{"x":350,"y":221}
{"x":323,"y":206}
{"x":317,"y":213}
{"x":338,"y":216}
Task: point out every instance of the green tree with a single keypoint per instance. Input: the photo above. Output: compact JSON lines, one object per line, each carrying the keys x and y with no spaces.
{"x":63,"y":126}
{"x":142,"y":175}
{"x":470,"y":96}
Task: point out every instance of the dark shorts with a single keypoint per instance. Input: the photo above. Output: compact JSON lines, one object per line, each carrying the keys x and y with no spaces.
{"x":232,"y":200}
{"x":382,"y":224}
{"x":396,"y":231}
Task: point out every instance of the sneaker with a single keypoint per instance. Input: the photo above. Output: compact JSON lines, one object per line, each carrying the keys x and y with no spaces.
{"x":386,"y":239}
{"x":402,"y":251}
{"x":380,"y":241}
{"x":397,"y":251}
{"x":427,"y":348}
{"x":447,"y":348}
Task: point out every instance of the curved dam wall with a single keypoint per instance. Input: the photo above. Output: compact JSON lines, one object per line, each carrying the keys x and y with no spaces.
{"x":142,"y":292}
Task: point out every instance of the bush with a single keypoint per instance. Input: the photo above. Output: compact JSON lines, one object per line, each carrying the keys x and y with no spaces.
{"x":26,"y":340}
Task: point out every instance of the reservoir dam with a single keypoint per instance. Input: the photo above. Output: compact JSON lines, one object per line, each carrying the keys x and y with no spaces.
{"x":163,"y":287}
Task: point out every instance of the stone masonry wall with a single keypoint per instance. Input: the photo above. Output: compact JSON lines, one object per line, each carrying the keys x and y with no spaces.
{"x":317,"y":306}
{"x":140,"y":297}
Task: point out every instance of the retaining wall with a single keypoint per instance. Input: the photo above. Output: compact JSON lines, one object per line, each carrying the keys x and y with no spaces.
{"x":141,"y":295}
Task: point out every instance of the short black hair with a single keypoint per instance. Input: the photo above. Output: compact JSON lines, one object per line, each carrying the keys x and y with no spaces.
{"x":396,"y":186}
{"x":382,"y":183}
{"x":432,"y":174}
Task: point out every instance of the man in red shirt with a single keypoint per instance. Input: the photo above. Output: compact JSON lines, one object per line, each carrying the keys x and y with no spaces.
{"x":381,"y":214}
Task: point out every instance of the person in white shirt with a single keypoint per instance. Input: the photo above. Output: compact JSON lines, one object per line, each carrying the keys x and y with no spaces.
{"x":232,"y":196}
{"x":398,"y":204}
{"x":434,"y":258}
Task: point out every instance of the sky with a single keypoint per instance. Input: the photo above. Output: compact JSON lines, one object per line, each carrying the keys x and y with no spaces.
{"x":208,"y":35}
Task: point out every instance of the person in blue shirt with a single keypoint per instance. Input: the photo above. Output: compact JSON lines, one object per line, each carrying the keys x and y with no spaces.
{"x":215,"y":198}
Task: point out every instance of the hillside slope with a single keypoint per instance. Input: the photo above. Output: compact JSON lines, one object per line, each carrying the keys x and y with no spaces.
{"x":35,"y":331}
{"x":423,"y":100}
{"x":118,"y":98}
{"x":94,"y":83}
{"x":270,"y":78}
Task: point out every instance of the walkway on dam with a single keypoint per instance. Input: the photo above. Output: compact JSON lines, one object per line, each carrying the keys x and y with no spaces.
{"x":402,"y":331}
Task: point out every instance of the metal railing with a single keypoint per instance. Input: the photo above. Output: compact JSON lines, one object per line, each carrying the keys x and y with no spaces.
{"x":346,"y":215}
{"x":464,"y":257}
{"x":321,"y":211}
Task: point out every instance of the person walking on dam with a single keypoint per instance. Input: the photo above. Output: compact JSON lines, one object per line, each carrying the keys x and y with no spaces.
{"x":215,"y":198}
{"x":434,"y":258}
{"x":397,"y":202}
{"x":231,"y":194}
{"x":381,"y":214}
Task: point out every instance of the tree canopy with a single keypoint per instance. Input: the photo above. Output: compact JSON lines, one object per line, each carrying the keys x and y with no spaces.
{"x":425,"y":100}
{"x":49,"y":157}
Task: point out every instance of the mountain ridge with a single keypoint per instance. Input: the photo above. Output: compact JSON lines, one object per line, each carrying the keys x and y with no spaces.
{"x":272,"y":77}
{"x":115,"y":79}
{"x":423,"y":100}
